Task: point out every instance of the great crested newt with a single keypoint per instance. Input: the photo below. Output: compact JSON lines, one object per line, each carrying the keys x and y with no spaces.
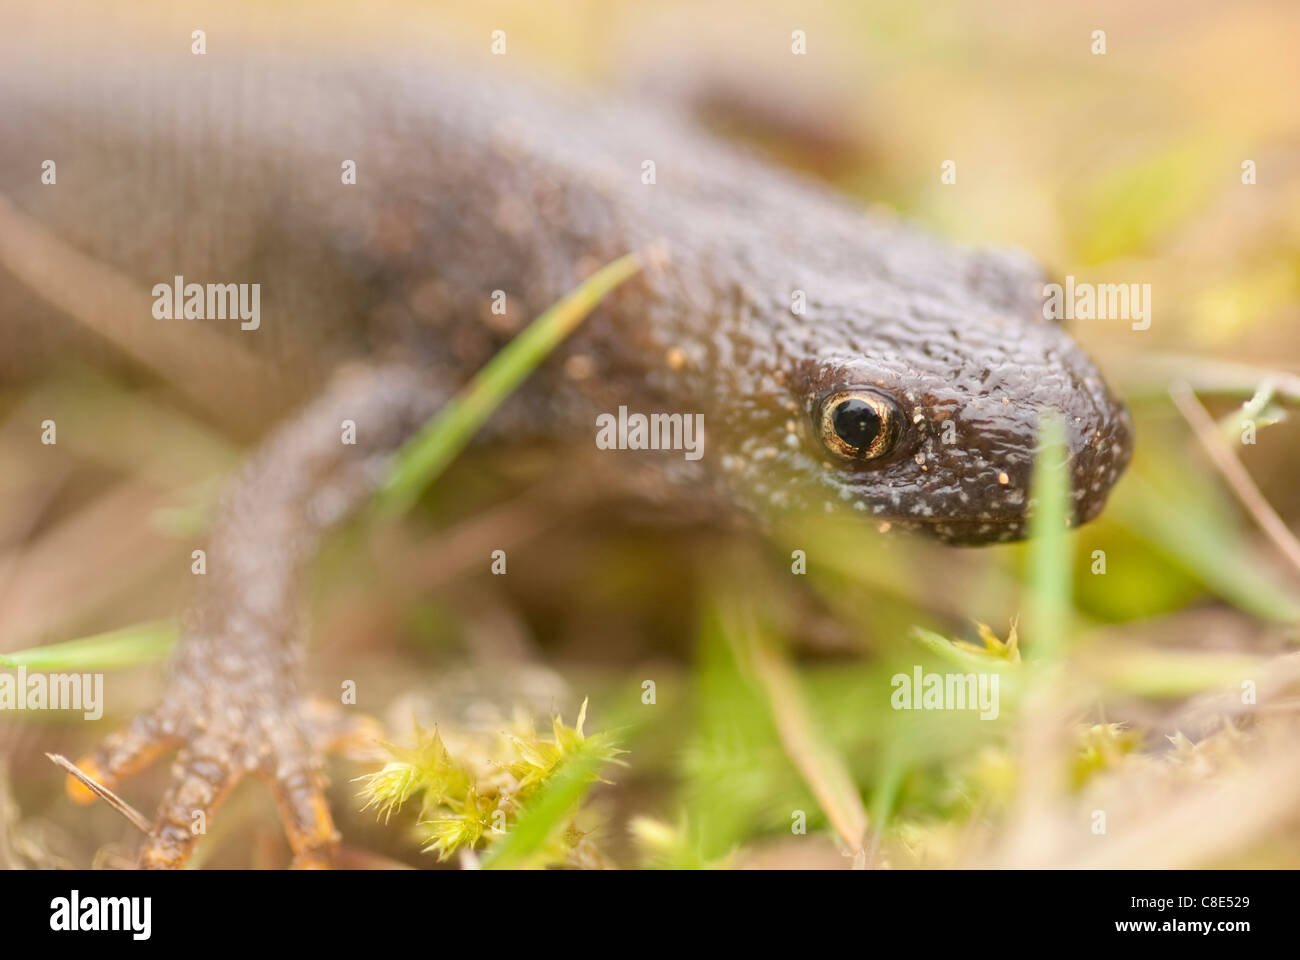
{"x":383,"y":201}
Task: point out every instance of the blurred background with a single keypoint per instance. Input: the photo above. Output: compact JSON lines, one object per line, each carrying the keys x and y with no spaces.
{"x":1162,"y":692}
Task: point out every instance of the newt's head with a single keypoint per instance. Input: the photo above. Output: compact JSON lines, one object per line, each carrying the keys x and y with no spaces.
{"x":921,"y":408}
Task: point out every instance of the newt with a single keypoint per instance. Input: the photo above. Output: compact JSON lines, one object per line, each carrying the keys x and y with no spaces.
{"x":839,"y":358}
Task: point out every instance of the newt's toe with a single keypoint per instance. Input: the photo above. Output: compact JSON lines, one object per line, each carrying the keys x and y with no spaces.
{"x":334,"y":729}
{"x":300,"y":797}
{"x":201,"y":782}
{"x":284,"y":747}
{"x":122,"y":754}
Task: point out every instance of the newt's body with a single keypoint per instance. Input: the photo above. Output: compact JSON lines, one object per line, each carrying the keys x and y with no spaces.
{"x":908,"y":384}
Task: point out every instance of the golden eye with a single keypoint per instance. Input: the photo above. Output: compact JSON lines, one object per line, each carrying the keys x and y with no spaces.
{"x":858,"y":424}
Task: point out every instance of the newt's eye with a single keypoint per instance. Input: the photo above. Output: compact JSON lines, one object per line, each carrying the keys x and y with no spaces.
{"x":858,"y":424}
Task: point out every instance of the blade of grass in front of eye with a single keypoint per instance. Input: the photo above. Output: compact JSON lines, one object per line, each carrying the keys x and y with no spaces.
{"x":438,"y":443}
{"x":1050,"y":558}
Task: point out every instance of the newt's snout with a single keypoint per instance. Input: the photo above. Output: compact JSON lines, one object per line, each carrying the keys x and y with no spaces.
{"x":1097,"y":458}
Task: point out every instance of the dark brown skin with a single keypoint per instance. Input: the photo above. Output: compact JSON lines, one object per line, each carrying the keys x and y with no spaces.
{"x":375,"y":302}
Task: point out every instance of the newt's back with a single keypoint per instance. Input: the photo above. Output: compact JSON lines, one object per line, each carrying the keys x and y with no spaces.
{"x":386,"y":203}
{"x":383,"y":201}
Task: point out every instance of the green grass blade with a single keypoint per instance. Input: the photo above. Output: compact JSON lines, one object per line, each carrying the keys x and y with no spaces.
{"x":427,"y":454}
{"x":1208,"y":547}
{"x":1050,"y":558}
{"x":822,"y":767}
{"x":760,"y":655}
{"x":141,"y":643}
{"x":891,"y":770}
{"x":547,"y":812}
{"x":945,"y":649}
{"x":1170,"y":674}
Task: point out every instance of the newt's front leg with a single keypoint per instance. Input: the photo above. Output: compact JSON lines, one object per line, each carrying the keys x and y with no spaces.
{"x":233,"y":704}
